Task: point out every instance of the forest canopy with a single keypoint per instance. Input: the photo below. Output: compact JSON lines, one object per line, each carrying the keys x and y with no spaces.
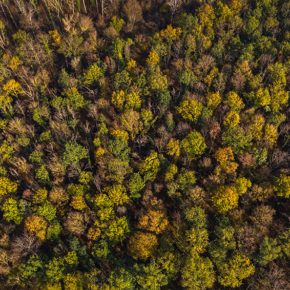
{"x":144,"y":144}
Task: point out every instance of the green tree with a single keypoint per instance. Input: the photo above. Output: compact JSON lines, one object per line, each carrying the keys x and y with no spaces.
{"x":190,"y":109}
{"x":73,"y":154}
{"x":7,"y":186}
{"x":11,"y":211}
{"x":121,"y":279}
{"x":197,"y":273}
{"x":233,"y":272}
{"x":150,"y":167}
{"x":283,"y":186}
{"x":193,"y":145}
{"x":269,"y":251}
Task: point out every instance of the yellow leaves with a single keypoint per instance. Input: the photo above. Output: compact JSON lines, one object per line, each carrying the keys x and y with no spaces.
{"x":6,"y":151}
{"x":232,"y":119}
{"x":7,"y":186}
{"x":153,"y":58}
{"x":225,"y":158}
{"x":37,"y":226}
{"x":171,"y":172}
{"x":158,"y":82}
{"x":173,"y":148}
{"x":190,"y":110}
{"x":13,"y":88}
{"x":238,"y":268}
{"x":283,"y":186}
{"x":242,"y":184}
{"x":150,"y":166}
{"x":39,"y":196}
{"x":206,"y":15}
{"x":170,"y":33}
{"x":56,"y":37}
{"x":234,"y":101}
{"x":153,"y":221}
{"x":71,"y":258}
{"x":117,"y":194}
{"x":198,"y":240}
{"x":78,"y":202}
{"x":126,"y":101}
{"x":256,"y":126}
{"x":131,"y":64}
{"x":213,"y":99}
{"x":133,"y":101}
{"x":225,"y":198}
{"x":270,"y":135}
{"x":14,"y":63}
{"x":93,"y":74}
{"x":100,"y":152}
{"x":93,"y":233}
{"x":118,"y":99}
{"x":121,"y":134}
{"x":142,"y":245}
{"x":130,"y":121}
{"x":262,"y":97}
{"x":224,"y":154}
{"x":5,"y":103}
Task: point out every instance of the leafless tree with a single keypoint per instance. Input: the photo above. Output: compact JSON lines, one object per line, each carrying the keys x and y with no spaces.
{"x":174,"y":5}
{"x":23,"y":246}
{"x":133,"y":11}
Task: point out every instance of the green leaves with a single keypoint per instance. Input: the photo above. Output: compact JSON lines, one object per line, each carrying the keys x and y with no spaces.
{"x":73,"y":154}
{"x":193,"y":145}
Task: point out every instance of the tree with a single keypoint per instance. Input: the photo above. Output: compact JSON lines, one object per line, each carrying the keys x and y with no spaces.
{"x":55,"y":270}
{"x":47,"y":210}
{"x":193,"y":145}
{"x":242,"y":185}
{"x":13,"y":88}
{"x":197,"y":239}
{"x":233,"y":272}
{"x":93,"y":74}
{"x":117,"y":229}
{"x":11,"y":211}
{"x":30,"y":269}
{"x":133,"y":12}
{"x":117,"y":194}
{"x":73,"y":154}
{"x":186,"y":179}
{"x":75,"y":223}
{"x":225,"y":158}
{"x":234,"y":101}
{"x":142,"y":245}
{"x":213,"y":100}
{"x":197,"y":273}
{"x":7,"y":186}
{"x":190,"y":110}
{"x":225,"y":198}
{"x":153,"y":221}
{"x":150,"y":167}
{"x":74,"y":99}
{"x":37,"y":226}
{"x":135,"y":185}
{"x":150,"y":276}
{"x":122,"y":279}
{"x":283,"y":186}
{"x":269,"y":251}
{"x":173,"y":148}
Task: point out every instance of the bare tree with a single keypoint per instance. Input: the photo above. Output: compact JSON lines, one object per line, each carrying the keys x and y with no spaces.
{"x":174,"y":5}
{"x":133,"y":11}
{"x":23,"y":246}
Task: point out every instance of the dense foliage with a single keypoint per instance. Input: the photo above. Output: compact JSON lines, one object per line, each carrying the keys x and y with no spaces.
{"x":144,"y":144}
